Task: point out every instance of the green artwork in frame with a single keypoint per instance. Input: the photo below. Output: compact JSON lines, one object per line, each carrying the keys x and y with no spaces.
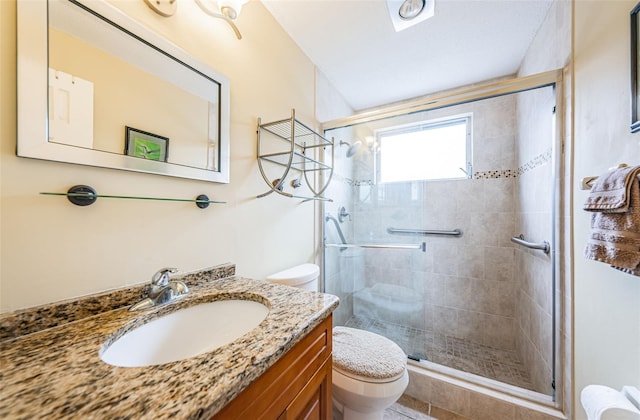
{"x":145,"y":145}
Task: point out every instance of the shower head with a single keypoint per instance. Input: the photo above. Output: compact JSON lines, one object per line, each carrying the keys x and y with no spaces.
{"x":353,"y":148}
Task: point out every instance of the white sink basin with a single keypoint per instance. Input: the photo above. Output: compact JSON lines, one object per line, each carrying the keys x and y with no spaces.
{"x":185,"y":333}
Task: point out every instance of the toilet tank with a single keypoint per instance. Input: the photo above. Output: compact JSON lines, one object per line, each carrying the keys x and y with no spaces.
{"x":303,"y":276}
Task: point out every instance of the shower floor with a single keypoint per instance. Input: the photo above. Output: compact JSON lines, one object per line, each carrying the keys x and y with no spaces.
{"x":492,"y":363}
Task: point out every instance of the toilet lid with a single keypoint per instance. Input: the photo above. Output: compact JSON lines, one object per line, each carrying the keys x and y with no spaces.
{"x":297,"y":275}
{"x":362,"y":354}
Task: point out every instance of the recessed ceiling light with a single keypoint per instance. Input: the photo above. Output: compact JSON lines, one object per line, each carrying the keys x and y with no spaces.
{"x":410,"y":9}
{"x":406,"y":13}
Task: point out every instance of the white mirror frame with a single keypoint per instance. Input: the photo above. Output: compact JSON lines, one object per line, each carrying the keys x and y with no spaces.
{"x":32,"y":98}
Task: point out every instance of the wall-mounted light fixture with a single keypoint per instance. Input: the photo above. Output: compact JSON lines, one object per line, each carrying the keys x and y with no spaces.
{"x":406,"y":13}
{"x":227,"y":10}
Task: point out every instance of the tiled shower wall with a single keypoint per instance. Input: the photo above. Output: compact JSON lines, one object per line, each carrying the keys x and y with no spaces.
{"x":480,"y":286}
{"x":467,"y":282}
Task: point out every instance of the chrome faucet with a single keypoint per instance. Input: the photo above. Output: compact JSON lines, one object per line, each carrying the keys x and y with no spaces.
{"x":161,"y":290}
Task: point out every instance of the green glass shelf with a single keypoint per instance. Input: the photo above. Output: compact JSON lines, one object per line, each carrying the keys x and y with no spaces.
{"x":84,"y":195}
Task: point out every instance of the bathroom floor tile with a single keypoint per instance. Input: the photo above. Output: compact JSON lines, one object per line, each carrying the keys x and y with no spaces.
{"x":501,"y":365}
{"x":410,"y":408}
{"x":391,"y":414}
{"x":440,"y":414}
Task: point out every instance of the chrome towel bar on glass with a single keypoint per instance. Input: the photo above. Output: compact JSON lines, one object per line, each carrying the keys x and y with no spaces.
{"x":454,"y":232}
{"x":422,"y":246}
{"x":543,"y":246}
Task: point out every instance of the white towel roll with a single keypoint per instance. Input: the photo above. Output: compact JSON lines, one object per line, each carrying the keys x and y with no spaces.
{"x":604,"y":403}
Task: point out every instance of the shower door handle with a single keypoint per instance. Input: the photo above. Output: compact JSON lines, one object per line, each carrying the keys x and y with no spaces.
{"x":454,"y":232}
{"x":543,"y":246}
{"x":421,"y":246}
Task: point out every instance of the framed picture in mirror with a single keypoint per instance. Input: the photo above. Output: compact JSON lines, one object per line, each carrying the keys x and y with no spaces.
{"x":145,"y":145}
{"x":635,"y":68}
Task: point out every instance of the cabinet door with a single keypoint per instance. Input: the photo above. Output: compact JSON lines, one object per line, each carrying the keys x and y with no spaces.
{"x":314,"y":401}
{"x":302,"y":374}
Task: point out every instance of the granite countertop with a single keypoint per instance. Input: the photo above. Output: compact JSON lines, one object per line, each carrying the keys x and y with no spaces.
{"x":57,"y":372}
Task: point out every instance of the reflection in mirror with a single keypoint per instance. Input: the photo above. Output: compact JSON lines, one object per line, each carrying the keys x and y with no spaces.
{"x":107,"y":73}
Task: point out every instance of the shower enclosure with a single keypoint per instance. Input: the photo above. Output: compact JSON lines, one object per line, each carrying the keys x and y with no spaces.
{"x":442,"y":233}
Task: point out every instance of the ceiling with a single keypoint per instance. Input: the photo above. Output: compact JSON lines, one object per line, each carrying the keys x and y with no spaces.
{"x":353,"y":43}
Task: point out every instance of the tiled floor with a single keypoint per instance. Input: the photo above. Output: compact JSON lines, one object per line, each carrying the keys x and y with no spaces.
{"x":410,"y":408}
{"x":501,"y":365}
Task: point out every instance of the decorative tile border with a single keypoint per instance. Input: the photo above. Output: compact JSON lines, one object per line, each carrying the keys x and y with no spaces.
{"x":343,"y":179}
{"x":363,"y":183}
{"x":539,"y":160}
{"x":352,"y":182}
{"x":504,"y":173}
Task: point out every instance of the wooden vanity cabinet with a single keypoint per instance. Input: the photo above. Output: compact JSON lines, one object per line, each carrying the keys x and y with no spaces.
{"x":298,"y":386}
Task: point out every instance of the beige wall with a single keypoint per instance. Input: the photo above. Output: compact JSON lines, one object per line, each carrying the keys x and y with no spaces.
{"x":52,"y":250}
{"x":607,"y":302}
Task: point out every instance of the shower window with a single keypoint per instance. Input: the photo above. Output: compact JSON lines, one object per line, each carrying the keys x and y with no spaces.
{"x":428,"y":150}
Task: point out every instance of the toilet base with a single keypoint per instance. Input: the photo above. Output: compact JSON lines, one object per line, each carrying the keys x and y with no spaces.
{"x":340,"y":412}
{"x":371,"y":399}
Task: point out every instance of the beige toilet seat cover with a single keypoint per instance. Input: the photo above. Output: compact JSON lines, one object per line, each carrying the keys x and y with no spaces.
{"x":366,"y":354}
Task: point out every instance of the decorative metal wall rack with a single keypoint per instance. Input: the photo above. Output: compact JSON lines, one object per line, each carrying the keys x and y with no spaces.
{"x":294,"y":146}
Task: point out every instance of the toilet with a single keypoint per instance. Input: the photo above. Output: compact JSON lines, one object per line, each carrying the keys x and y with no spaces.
{"x":304,"y":276}
{"x":369,"y":371}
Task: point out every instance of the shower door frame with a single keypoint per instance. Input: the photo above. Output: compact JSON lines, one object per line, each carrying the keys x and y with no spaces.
{"x":553,"y":79}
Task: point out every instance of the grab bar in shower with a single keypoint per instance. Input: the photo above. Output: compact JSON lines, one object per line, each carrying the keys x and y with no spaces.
{"x":454,"y":232}
{"x":543,"y":246}
{"x":328,"y":218}
{"x":422,"y":246}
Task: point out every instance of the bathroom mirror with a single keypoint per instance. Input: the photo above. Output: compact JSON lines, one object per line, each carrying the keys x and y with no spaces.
{"x":97,"y":88}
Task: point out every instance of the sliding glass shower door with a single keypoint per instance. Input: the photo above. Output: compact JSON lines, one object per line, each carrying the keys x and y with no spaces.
{"x":418,"y":238}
